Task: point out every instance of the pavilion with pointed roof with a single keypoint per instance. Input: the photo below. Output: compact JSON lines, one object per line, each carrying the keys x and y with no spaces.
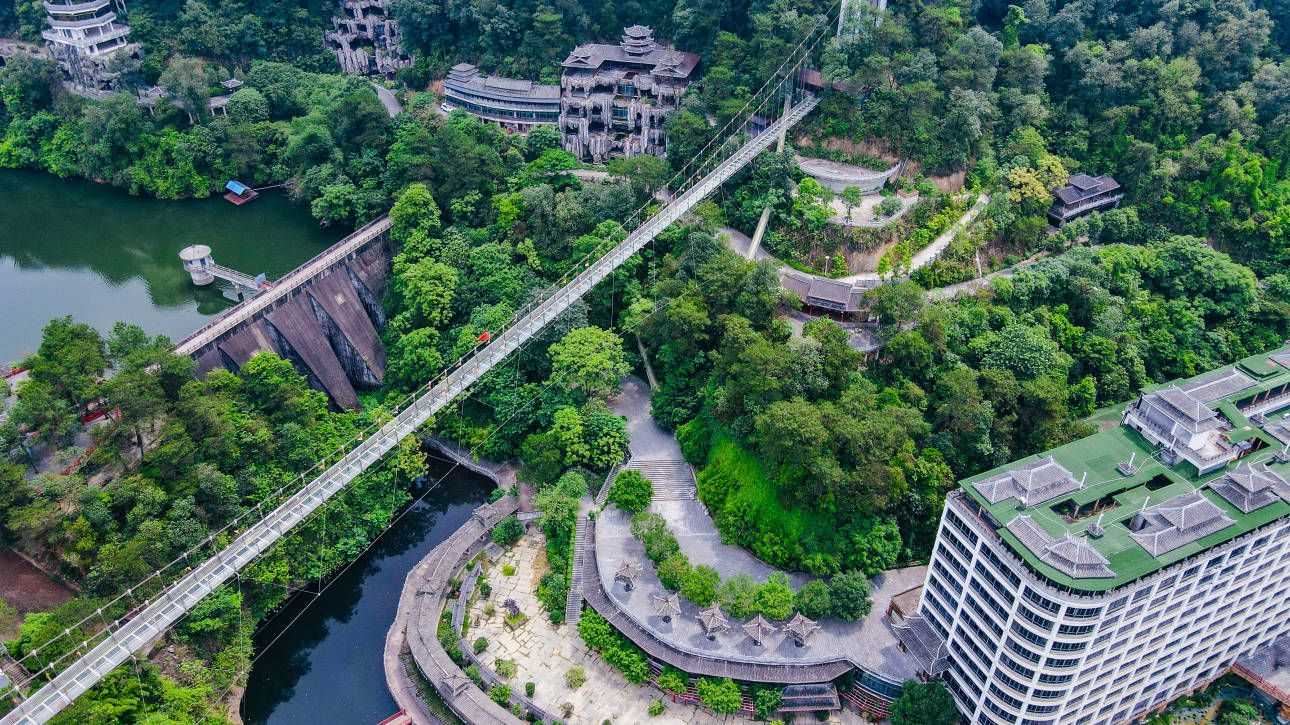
{"x":800,"y":629}
{"x":628,"y":573}
{"x":758,"y":629}
{"x":667,"y":606}
{"x":713,"y":621}
{"x":1030,"y":483}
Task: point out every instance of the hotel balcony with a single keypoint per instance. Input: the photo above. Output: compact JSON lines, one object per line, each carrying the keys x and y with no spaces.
{"x":1062,"y":214}
{"x":82,"y":23}
{"x":91,"y":42}
{"x":75,"y":8}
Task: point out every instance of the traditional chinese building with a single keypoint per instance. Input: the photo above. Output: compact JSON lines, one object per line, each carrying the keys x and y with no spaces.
{"x":614,"y":98}
{"x":1082,"y":195}
{"x":85,"y":37}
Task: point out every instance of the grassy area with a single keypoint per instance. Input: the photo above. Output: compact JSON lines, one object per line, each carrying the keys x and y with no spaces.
{"x":873,"y":163}
{"x":746,"y":505}
{"x":1107,"y":417}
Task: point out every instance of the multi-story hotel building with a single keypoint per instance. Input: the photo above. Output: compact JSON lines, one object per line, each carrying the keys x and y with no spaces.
{"x":513,"y":104}
{"x":615,"y":98}
{"x":1098,"y":581}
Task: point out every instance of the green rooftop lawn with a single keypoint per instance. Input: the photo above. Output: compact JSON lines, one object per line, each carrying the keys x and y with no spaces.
{"x":1094,"y":459}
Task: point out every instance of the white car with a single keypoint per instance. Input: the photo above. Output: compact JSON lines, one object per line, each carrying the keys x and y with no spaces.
{"x":445,"y":108}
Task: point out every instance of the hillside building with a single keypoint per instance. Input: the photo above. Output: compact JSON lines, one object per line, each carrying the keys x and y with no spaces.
{"x":614,"y":98}
{"x":1095,"y":583}
{"x":513,"y":104}
{"x":1083,"y":195}
{"x":85,"y":37}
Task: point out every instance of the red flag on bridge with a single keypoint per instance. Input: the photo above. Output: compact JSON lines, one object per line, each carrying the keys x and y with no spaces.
{"x":484,"y":337}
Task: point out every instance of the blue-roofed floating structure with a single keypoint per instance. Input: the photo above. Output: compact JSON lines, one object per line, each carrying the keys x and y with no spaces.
{"x":239,"y":193}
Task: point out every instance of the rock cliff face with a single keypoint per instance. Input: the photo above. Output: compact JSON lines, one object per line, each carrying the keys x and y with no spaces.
{"x":366,"y":41}
{"x":599,"y":127}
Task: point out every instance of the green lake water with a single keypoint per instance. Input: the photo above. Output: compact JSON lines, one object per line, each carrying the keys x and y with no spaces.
{"x":71,"y":247}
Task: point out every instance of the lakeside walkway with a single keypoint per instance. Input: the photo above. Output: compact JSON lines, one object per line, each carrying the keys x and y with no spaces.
{"x":416,"y":626}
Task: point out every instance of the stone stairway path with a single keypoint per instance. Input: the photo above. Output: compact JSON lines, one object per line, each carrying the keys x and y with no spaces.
{"x":673,"y":480}
{"x":573,"y":602}
{"x":603,"y":494}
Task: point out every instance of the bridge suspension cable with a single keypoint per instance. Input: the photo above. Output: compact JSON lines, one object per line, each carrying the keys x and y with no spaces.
{"x":699,"y":178}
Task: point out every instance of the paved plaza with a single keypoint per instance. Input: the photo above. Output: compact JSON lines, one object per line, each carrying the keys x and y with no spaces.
{"x":869,"y":643}
{"x":543,"y":653}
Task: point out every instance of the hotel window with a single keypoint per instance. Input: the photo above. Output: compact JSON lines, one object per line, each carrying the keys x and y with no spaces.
{"x":958,"y":524}
{"x":1023,"y":651}
{"x":1042,"y":601}
{"x":1028,"y":635}
{"x":1041,"y":622}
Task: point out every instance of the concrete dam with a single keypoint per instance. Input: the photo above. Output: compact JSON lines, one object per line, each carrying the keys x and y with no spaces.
{"x":325,"y":316}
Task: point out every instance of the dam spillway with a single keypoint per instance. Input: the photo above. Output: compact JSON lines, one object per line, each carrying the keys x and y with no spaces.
{"x":325,"y":317}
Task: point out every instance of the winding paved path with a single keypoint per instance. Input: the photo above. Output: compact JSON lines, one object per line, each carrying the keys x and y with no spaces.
{"x":388,"y":99}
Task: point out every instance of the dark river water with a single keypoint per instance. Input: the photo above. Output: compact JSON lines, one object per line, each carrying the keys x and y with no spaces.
{"x":71,"y":247}
{"x":326,"y":668}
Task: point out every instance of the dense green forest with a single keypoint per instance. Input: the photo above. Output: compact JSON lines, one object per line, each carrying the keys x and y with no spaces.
{"x":814,"y":465}
{"x":185,"y":460}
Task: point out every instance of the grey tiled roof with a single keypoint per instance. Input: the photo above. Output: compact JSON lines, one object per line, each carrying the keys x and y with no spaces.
{"x":1252,"y":487}
{"x":798,"y":283}
{"x":1030,"y":484}
{"x":466,"y":77}
{"x":638,"y":48}
{"x":1179,"y":407}
{"x":923,"y":644}
{"x":1083,"y":186}
{"x":1179,"y":521}
{"x":830,"y":291}
{"x":1218,"y":385}
{"x":1069,"y":555}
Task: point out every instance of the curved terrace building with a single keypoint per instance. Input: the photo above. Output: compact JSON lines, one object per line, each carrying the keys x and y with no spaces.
{"x":84,"y":36}
{"x":1097,"y":582}
{"x":517,"y":105}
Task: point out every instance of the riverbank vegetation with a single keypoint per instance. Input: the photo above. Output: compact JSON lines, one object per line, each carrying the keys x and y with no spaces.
{"x":184,"y":465}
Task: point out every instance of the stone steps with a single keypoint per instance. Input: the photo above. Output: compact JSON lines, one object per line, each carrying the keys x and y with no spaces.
{"x":603,"y":494}
{"x":673,"y":480}
{"x":573,"y":602}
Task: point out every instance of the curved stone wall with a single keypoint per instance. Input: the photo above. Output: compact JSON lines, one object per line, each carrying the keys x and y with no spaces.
{"x":839,"y":176}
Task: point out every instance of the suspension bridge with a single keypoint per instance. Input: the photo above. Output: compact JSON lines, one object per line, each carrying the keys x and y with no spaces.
{"x":120,"y":644}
